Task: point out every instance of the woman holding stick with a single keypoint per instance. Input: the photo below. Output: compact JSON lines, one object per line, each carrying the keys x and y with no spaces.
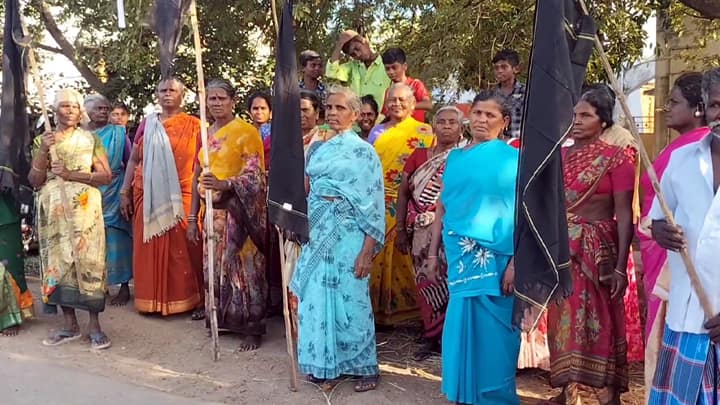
{"x":347,"y":227}
{"x":237,"y":180}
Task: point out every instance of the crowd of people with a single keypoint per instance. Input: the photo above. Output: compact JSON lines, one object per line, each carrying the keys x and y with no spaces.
{"x":410,"y":223}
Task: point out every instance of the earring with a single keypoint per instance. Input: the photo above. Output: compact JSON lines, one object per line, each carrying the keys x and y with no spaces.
{"x":697,"y":113}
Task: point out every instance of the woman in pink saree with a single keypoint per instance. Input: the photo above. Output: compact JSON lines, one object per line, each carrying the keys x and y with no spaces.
{"x":683,"y":113}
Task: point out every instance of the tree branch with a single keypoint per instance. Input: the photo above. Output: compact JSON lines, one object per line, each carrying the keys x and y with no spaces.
{"x":66,"y":47}
{"x":707,"y":8}
{"x":48,"y":48}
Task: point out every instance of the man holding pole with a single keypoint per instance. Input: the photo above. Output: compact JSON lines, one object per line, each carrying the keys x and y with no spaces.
{"x":688,"y":364}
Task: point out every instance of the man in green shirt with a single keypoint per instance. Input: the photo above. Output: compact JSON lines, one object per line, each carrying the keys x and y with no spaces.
{"x":365,"y":73}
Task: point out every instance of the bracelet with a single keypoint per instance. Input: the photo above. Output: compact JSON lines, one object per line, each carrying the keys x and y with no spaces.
{"x":124,"y":191}
{"x":38,"y":170}
{"x":620,"y":273}
{"x":192,"y":218}
{"x":432,"y":257}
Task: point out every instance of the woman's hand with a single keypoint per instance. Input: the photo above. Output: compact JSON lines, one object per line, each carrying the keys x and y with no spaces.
{"x":48,"y":140}
{"x":126,"y":206}
{"x":363,"y":263}
{"x":618,"y":284}
{"x":210,"y":182}
{"x":508,"y":281}
{"x":402,"y":240}
{"x":57,"y":167}
{"x":193,"y":232}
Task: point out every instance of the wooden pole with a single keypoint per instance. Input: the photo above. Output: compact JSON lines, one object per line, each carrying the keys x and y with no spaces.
{"x":690,"y":267}
{"x":67,"y":207}
{"x":209,"y":214}
{"x":286,"y":269}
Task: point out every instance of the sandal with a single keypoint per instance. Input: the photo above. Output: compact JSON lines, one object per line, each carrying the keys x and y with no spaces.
{"x":314,"y":380}
{"x":366,"y":384}
{"x":198,"y":314}
{"x":99,"y":341}
{"x":62,"y":336}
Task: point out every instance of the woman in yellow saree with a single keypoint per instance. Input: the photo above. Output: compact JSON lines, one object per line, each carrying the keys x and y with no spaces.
{"x":72,"y":244}
{"x":237,"y":179}
{"x":392,"y":283}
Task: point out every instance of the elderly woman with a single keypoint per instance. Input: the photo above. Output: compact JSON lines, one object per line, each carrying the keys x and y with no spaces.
{"x":236,"y":177}
{"x":586,"y":332}
{"x":417,"y":202}
{"x":476,"y":218}
{"x":72,"y":236}
{"x":118,"y":232}
{"x":392,"y":285}
{"x":345,"y":199}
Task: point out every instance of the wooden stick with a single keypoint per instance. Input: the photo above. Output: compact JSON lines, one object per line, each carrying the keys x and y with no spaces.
{"x":67,"y":207}
{"x":289,"y":338}
{"x":273,"y":10}
{"x":689,"y":266}
{"x":209,"y":212}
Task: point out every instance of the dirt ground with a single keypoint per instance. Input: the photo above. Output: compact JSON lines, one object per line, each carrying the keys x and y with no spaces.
{"x":174,"y":355}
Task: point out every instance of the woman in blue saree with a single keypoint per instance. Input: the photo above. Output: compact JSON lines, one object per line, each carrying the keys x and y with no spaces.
{"x":118,"y":239}
{"x":477,"y":214}
{"x":336,"y":333}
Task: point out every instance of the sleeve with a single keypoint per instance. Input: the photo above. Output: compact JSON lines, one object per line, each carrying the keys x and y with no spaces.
{"x":622,"y":177}
{"x":421,"y":92}
{"x":99,"y":149}
{"x":37,"y":142}
{"x":337,"y":71}
{"x":656,"y":213}
{"x":412,"y":162}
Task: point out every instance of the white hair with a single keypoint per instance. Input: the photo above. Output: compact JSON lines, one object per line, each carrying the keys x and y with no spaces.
{"x":68,"y":96}
{"x":93,"y":99}
{"x":710,"y":80}
{"x":404,"y":87}
{"x":171,"y":80}
{"x":460,"y":115}
{"x":353,"y":101}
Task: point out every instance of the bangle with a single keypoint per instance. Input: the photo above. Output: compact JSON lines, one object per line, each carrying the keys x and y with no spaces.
{"x":124,"y":191}
{"x":620,"y":273}
{"x":192,"y":218}
{"x":38,"y":170}
{"x":432,"y":257}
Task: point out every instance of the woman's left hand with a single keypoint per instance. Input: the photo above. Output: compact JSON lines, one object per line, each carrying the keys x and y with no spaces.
{"x":58,"y":168}
{"x":363,"y":264}
{"x":508,"y":281}
{"x":210,"y":182}
{"x":618,"y":285}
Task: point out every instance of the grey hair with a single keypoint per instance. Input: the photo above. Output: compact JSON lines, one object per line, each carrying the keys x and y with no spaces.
{"x":353,"y":101}
{"x":710,"y":80}
{"x":171,"y":79}
{"x":460,"y":115}
{"x":93,"y":99}
{"x":405,"y":87}
{"x":223,"y":85}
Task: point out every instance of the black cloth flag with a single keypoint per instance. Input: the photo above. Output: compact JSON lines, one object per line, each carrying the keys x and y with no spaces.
{"x":562,"y":45}
{"x":287,"y":205}
{"x":168,"y":19}
{"x":14,"y":132}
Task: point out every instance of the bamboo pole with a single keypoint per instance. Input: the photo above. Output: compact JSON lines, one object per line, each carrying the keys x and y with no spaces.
{"x":67,"y":207}
{"x":289,"y":338}
{"x":209,"y":217}
{"x":689,"y":266}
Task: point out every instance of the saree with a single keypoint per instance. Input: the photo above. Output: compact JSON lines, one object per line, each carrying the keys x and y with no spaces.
{"x":236,"y":155}
{"x":425,"y":181}
{"x":16,"y":301}
{"x":336,"y":332}
{"x":480,"y":344}
{"x":167,"y":269}
{"x":586,"y":331}
{"x":118,"y":234}
{"x":392,"y":283}
{"x":77,"y":282}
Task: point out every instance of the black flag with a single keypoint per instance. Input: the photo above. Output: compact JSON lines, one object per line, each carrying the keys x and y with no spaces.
{"x":287,"y":206}
{"x":562,"y":44}
{"x":168,"y":23}
{"x":14,"y":131}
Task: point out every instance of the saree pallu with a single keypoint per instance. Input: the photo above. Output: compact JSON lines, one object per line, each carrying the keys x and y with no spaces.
{"x":392,"y":285}
{"x":78,"y":283}
{"x":168,"y":269}
{"x":118,"y":234}
{"x":336,"y":327}
{"x":425,"y":184}
{"x":587,"y":330}
{"x":236,"y":155}
{"x":16,"y":301}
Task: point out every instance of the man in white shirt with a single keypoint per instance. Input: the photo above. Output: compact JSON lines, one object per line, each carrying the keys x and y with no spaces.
{"x":688,"y":368}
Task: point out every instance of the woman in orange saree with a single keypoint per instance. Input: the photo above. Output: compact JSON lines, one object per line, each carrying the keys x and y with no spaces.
{"x":586,"y":332}
{"x":167,"y":268}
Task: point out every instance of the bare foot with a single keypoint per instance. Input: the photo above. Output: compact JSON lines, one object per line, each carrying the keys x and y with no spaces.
{"x":11,"y":331}
{"x":250,"y":343}
{"x":122,"y":298}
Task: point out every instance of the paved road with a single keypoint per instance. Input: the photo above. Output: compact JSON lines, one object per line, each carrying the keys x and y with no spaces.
{"x":32,"y":381}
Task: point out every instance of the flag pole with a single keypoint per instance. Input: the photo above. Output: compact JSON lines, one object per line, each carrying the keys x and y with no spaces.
{"x":690,"y":267}
{"x":67,"y":207}
{"x":209,"y":212}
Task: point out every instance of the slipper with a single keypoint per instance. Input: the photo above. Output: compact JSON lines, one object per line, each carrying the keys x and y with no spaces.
{"x":99,"y":341}
{"x":198,"y":315}
{"x":367,"y":383}
{"x":314,"y":380}
{"x":62,"y":336}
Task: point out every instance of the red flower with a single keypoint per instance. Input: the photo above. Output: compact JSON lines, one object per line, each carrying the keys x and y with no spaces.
{"x":413,"y":143}
{"x":392,"y":176}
